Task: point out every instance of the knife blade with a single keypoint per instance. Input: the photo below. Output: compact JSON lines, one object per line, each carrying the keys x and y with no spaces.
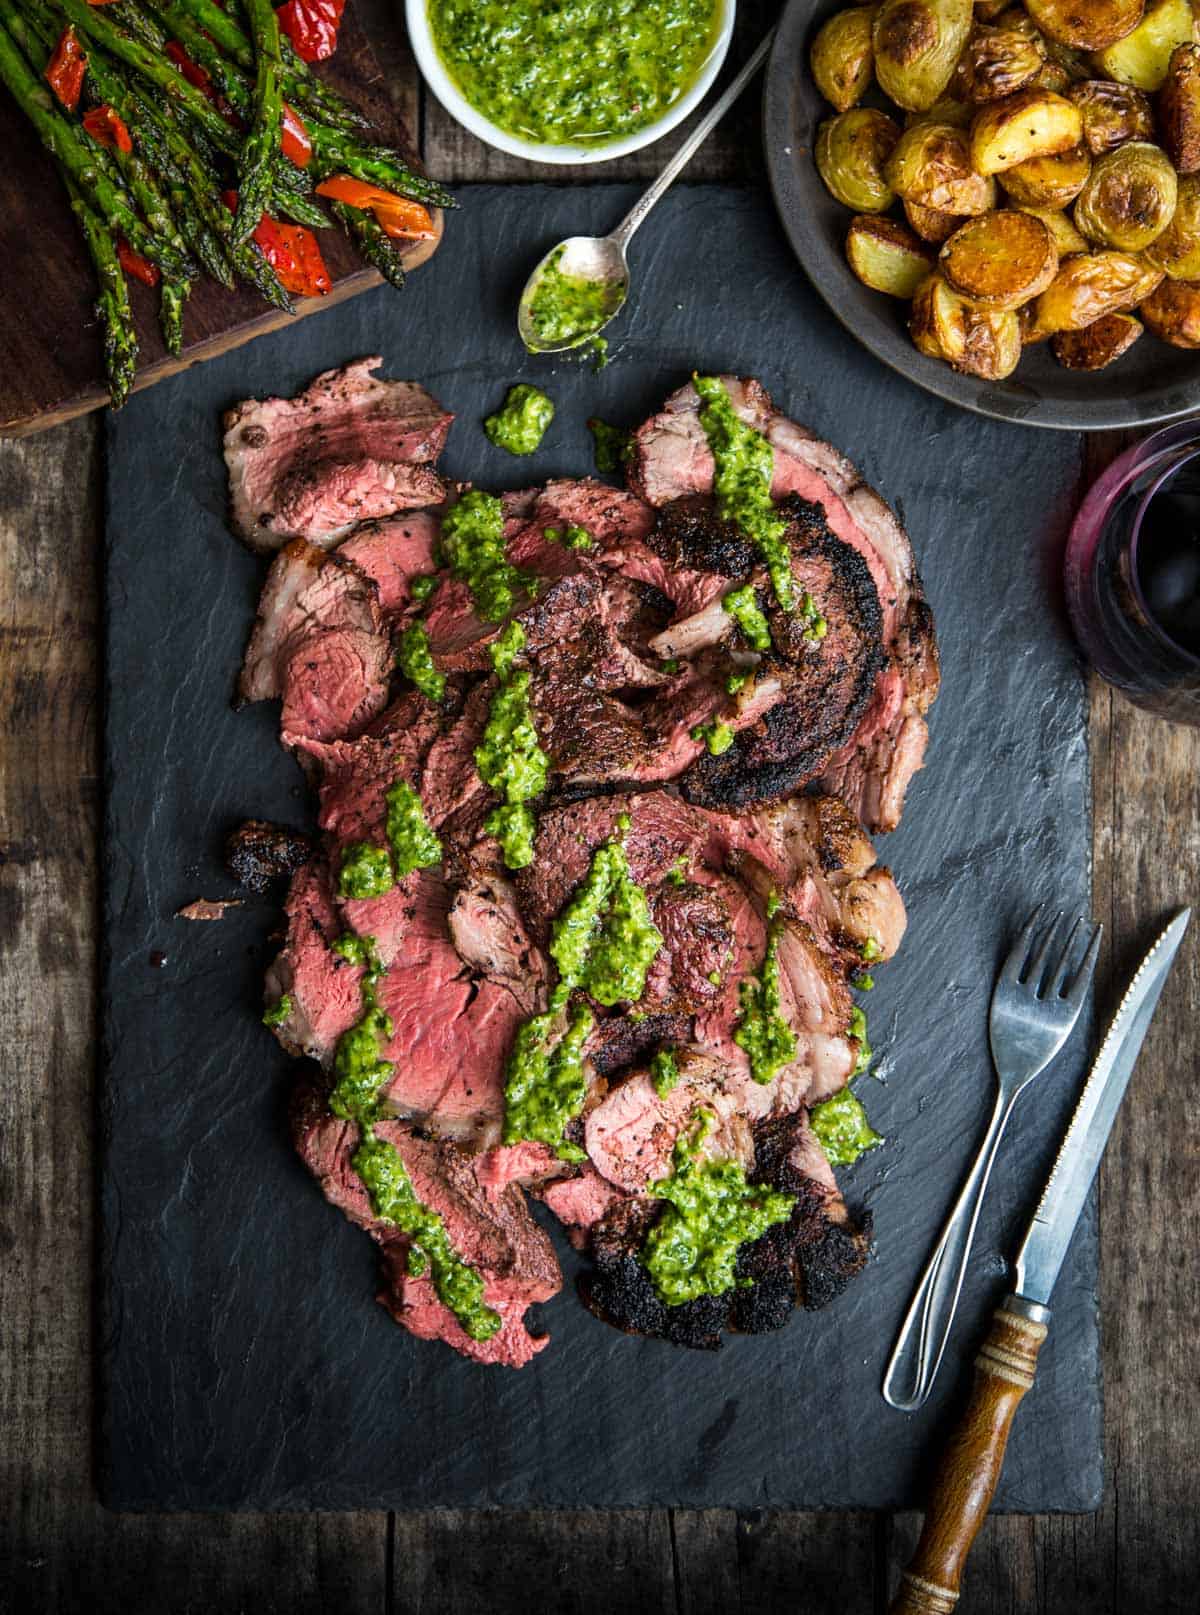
{"x":1045,"y":1245}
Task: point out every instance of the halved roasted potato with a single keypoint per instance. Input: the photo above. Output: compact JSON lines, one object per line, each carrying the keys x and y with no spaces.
{"x":1086,"y":24}
{"x":931,"y":164}
{"x":1172,"y":312}
{"x":929,"y":223}
{"x":999,"y":61}
{"x":1143,"y":56}
{"x":886,"y":256}
{"x":1073,"y":62}
{"x":1049,"y":181}
{"x":1177,"y":250}
{"x":1098,"y":344}
{"x":842,"y":57}
{"x":852,"y":151}
{"x":1112,"y":113}
{"x":1028,"y":327}
{"x":1129,"y":198}
{"x":1179,"y":109}
{"x":917,"y":46}
{"x":1031,"y":123}
{"x":946,"y":109}
{"x":1093,"y":285}
{"x":1000,"y":260}
{"x":1066,"y":237}
{"x":978,"y":341}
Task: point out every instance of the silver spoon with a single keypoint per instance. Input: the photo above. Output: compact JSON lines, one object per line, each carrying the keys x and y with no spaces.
{"x":602,"y":258}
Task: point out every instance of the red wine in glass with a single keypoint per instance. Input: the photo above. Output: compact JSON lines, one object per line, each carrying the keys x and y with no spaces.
{"x":1132,"y":574}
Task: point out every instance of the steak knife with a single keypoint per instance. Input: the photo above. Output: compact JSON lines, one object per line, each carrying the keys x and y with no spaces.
{"x":1005,"y":1367}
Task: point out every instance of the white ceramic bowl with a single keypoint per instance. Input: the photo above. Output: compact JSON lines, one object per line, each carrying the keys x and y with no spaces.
{"x":448,"y":93}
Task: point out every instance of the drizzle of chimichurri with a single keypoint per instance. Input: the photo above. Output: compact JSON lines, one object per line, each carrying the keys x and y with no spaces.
{"x":717,"y":736}
{"x":743,"y":607}
{"x":678,"y":872}
{"x":365,"y":872}
{"x":710,"y":1212}
{"x":413,"y":843}
{"x":520,"y":424}
{"x":544,"y":1082}
{"x":560,"y":71}
{"x":575,"y":538}
{"x":611,"y":445}
{"x":361,"y":1072}
{"x":762,"y":1032}
{"x":736,"y":681}
{"x":509,"y":759}
{"x":842,"y":1129}
{"x":423,"y":585}
{"x":604,"y":940}
{"x":415,"y":662}
{"x":871,"y":951}
{"x":664,"y":1072}
{"x":279,"y":1011}
{"x":568,"y":310}
{"x":858,"y":1029}
{"x":472,"y":543}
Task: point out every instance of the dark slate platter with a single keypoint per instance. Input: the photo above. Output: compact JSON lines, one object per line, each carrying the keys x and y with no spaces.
{"x":245,"y":1364}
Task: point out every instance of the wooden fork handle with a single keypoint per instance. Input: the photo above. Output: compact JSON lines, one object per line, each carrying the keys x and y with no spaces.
{"x":970,"y":1466}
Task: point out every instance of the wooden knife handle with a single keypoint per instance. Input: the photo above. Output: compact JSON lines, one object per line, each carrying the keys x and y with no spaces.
{"x":970,"y":1466}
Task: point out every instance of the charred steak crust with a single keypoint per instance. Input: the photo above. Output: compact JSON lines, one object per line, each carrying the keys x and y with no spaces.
{"x":826,"y":1250}
{"x":258,"y":852}
{"x":689,"y":533}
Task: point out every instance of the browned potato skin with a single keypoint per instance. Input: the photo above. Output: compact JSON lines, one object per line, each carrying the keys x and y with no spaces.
{"x":978,"y":342}
{"x":1112,"y":113}
{"x":931,"y":164}
{"x":1172,"y":312}
{"x":1051,"y":182}
{"x":1144,"y":56}
{"x":886,"y":256}
{"x":1097,"y":344}
{"x":1000,"y":260}
{"x":1050,"y":76}
{"x":1066,"y":237}
{"x":1031,"y":123}
{"x":852,"y":151}
{"x":842,"y":57}
{"x":1177,"y":250}
{"x":917,"y":46}
{"x":1179,"y":109}
{"x":930,"y":224}
{"x":946,"y":109}
{"x":1086,"y":24}
{"x":998,"y":62}
{"x":989,"y":10}
{"x":1092,"y":285}
{"x":1129,"y":199}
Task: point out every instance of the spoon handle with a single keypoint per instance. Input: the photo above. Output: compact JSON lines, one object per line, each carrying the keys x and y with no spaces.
{"x":624,"y":231}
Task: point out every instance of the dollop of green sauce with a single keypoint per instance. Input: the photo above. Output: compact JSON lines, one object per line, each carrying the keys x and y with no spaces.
{"x":366,"y":871}
{"x":472,"y":546}
{"x":509,"y":759}
{"x":736,"y":681}
{"x":710,"y":1212}
{"x":871,"y":951}
{"x":568,"y":310}
{"x":842,"y":1129}
{"x":544,"y":1080}
{"x":742,"y":605}
{"x":604,"y":940}
{"x":717,"y":736}
{"x":761,"y":1031}
{"x":413,"y":843}
{"x":360,"y":1073}
{"x":574,"y":537}
{"x":520,"y":424}
{"x":423,"y":585}
{"x":664,"y":1072}
{"x":278,"y":1012}
{"x":414,"y":660}
{"x":610,"y":445}
{"x":858,"y":1029}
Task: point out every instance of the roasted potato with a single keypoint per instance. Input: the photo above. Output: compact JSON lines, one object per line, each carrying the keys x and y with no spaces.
{"x":1073,"y":62}
{"x":1049,"y":181}
{"x":1050,"y":76}
{"x":1031,"y":123}
{"x":842,"y":57}
{"x":1066,"y":237}
{"x":852,"y":152}
{"x":977,"y":341}
{"x":1097,"y":344}
{"x":1179,"y":109}
{"x":1000,"y":260}
{"x":1143,"y":57}
{"x":1112,"y":113}
{"x":1089,"y":287}
{"x":1027,"y":325}
{"x":929,"y":224}
{"x":1172,"y":312}
{"x":1086,"y":24}
{"x":989,"y":10}
{"x":999,"y":61}
{"x":946,"y":109}
{"x":931,"y":164}
{"x":917,"y":46}
{"x":886,"y":256}
{"x":1177,"y":250}
{"x":1129,"y":198}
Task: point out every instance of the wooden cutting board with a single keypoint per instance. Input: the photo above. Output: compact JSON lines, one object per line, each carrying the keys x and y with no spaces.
{"x":53,"y":366}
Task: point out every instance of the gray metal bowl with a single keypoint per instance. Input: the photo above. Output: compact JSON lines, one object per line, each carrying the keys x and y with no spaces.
{"x":1152,"y":382}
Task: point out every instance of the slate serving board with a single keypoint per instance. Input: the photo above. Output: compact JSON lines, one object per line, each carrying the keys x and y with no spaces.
{"x":245,"y":1364}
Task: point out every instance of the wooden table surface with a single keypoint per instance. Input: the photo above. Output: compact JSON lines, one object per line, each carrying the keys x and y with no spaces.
{"x":61,"y":1551}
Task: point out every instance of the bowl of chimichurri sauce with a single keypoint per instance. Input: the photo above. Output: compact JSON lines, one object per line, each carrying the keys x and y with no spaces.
{"x":569,"y":81}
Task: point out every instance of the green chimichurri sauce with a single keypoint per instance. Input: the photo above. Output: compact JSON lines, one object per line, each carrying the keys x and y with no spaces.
{"x":664,"y":1072}
{"x":520,"y":424}
{"x":423,"y":585}
{"x":509,"y":759}
{"x":610,"y":445}
{"x":361,"y":1072}
{"x":544,"y":1080}
{"x":279,"y":1011}
{"x":717,"y":736}
{"x":604,"y":940}
{"x":743,"y":607}
{"x":842,"y":1129}
{"x":710,"y":1212}
{"x":415,"y":662}
{"x":472,"y":544}
{"x":871,"y":951}
{"x":568,"y":310}
{"x":560,"y":71}
{"x":575,"y":538}
{"x":858,"y":1029}
{"x":365,"y":872}
{"x":762,"y":1032}
{"x":413,"y":843}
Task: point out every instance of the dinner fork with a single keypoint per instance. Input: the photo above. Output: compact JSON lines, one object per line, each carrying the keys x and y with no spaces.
{"x":1035,"y":1004}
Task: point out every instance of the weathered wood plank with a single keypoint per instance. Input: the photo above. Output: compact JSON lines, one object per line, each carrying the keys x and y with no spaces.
{"x":807,"y":1564}
{"x":705,"y":1549}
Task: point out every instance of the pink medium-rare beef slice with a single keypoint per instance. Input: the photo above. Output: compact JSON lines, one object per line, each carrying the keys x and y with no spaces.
{"x":393,"y":552}
{"x":319,"y":642}
{"x":349,"y":448}
{"x":320,"y":988}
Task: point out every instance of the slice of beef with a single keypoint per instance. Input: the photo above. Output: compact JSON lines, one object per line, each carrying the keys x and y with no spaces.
{"x":319,"y":642}
{"x":393,"y":553}
{"x":489,"y":936}
{"x":349,"y":448}
{"x":493,"y":1232}
{"x":619,"y":1042}
{"x":258,"y":852}
{"x":322,"y":988}
{"x":582,"y":1200}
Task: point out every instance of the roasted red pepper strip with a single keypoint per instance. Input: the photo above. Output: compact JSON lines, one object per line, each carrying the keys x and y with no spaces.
{"x":297,"y":147}
{"x":291,"y":251}
{"x":108,"y":127}
{"x":134,"y":264}
{"x":312,"y":26}
{"x":65,"y":69}
{"x":192,"y":71}
{"x":399,"y":217}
